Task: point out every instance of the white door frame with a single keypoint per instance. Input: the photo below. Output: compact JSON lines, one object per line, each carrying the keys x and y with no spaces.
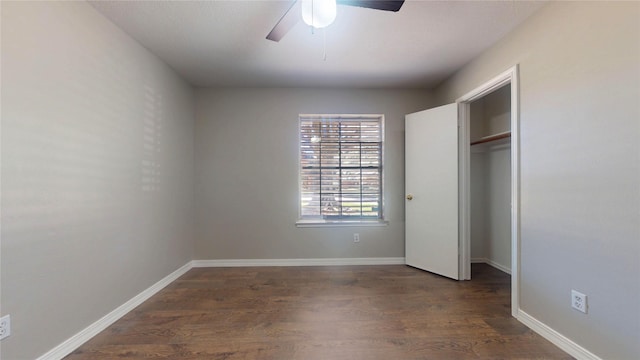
{"x":508,"y":77}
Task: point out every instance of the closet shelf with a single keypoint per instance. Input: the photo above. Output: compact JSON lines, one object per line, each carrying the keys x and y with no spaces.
{"x":494,"y":137}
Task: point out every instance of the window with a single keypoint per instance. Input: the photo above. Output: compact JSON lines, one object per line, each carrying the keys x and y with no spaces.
{"x":341,"y":168}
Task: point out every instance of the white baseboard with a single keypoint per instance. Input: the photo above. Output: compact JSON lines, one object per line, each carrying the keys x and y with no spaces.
{"x":92,"y":330}
{"x":68,"y":346}
{"x":556,"y":338}
{"x":299,"y":262}
{"x":491,"y":263}
{"x":71,"y":344}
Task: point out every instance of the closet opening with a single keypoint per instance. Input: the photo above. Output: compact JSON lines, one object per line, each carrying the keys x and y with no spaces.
{"x":490,"y":179}
{"x":489,"y":167}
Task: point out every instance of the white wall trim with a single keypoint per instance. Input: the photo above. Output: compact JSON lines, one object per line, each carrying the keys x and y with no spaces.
{"x":491,"y":263}
{"x":556,"y":338}
{"x":299,"y":262}
{"x":72,"y":343}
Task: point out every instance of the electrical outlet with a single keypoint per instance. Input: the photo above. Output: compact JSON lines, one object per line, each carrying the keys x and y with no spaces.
{"x":5,"y":326}
{"x":579,"y":301}
{"x":356,"y":237}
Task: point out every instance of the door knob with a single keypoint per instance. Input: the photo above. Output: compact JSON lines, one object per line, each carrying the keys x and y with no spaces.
{"x":409,"y":197}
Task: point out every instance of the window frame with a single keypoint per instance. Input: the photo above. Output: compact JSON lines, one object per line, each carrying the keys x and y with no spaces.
{"x":339,"y":222}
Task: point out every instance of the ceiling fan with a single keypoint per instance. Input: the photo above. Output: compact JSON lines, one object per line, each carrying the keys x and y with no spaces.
{"x":310,"y":10}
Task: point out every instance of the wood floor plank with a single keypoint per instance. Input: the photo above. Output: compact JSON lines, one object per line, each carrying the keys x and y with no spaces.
{"x":339,"y":312}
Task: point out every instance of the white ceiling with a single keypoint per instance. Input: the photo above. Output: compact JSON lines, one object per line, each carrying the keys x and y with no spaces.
{"x":222,"y":43}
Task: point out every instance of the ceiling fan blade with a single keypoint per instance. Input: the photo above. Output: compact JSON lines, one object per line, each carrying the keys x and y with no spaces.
{"x":387,"y":5}
{"x":286,"y":23}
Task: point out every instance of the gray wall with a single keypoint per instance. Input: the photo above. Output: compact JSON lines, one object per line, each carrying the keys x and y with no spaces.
{"x":580,"y":166}
{"x":97,"y":171}
{"x":247,"y":173}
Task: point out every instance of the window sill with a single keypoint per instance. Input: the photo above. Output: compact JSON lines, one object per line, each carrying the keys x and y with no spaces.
{"x":340,"y":223}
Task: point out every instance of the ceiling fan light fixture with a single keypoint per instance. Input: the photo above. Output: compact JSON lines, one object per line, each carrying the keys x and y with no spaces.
{"x":318,"y":13}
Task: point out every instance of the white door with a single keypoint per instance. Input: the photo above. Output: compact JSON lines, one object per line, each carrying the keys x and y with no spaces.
{"x":431,"y":185}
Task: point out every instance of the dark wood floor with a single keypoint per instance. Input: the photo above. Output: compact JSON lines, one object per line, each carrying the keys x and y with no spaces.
{"x":346,"y":312}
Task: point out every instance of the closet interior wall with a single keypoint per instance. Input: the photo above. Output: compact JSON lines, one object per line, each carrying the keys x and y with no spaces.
{"x":491,"y":180}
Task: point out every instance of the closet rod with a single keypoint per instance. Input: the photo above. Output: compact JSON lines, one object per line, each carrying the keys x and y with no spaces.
{"x":489,"y":138}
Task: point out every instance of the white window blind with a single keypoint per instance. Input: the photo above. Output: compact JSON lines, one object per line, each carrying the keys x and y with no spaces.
{"x":341,"y":167}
